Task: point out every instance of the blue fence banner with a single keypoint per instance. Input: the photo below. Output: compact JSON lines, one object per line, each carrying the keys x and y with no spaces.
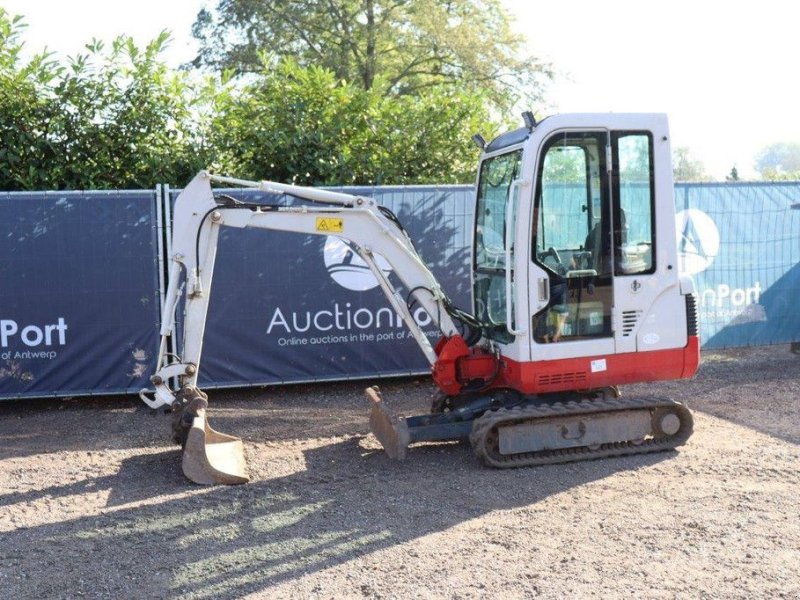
{"x":287,"y":307}
{"x":79,"y":292}
{"x":741,"y":244}
{"x":81,"y":275}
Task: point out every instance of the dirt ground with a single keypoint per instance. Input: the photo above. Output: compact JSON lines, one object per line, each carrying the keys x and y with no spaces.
{"x":93,"y":502}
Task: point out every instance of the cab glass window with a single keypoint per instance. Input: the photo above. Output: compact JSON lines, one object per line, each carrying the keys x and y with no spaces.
{"x":633,"y":203}
{"x":494,"y":188}
{"x":572,"y":239}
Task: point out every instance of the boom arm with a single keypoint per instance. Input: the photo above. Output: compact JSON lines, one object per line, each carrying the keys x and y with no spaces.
{"x":196,"y":223}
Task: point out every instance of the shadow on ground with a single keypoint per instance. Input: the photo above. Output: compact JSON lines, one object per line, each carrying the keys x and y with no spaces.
{"x":274,"y":413}
{"x":165,"y":538}
{"x":757,"y":388}
{"x":222,"y":542}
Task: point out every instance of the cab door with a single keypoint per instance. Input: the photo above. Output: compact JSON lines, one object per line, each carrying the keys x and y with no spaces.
{"x":571,"y":273}
{"x":633,"y":200}
{"x":649,"y":308}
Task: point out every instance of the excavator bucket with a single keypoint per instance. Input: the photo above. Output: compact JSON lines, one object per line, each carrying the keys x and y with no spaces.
{"x":391,"y":431}
{"x":209,"y":457}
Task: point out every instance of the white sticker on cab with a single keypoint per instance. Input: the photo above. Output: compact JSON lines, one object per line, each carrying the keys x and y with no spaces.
{"x":599,"y":365}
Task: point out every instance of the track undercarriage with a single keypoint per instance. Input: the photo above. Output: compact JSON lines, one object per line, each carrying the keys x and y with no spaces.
{"x":504,"y":428}
{"x":507,"y":429}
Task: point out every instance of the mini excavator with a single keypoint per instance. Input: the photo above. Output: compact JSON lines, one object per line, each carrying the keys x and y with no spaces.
{"x":575,"y":291}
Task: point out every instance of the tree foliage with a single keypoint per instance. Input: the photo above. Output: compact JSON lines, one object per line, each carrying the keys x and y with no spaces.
{"x":398,"y":46}
{"x":779,"y":161}
{"x":304,"y":125}
{"x":112,"y":117}
{"x":686,"y":167}
{"x":117,"y":117}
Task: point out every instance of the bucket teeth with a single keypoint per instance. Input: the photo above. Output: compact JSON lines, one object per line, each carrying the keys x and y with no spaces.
{"x":391,"y":431}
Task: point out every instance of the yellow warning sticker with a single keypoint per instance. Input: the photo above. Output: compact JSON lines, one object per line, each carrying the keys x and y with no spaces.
{"x":330,"y":224}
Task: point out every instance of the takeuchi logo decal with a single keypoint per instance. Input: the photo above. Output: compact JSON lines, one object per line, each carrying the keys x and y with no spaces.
{"x":347,"y":268}
{"x":698,"y":240}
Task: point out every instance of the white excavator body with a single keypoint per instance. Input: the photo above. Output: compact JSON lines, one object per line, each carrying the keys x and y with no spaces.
{"x":576,"y":290}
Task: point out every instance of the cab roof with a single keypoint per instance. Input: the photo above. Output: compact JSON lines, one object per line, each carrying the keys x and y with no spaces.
{"x":509,"y":138}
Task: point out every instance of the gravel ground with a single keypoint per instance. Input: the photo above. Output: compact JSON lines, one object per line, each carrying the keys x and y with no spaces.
{"x":93,"y":502}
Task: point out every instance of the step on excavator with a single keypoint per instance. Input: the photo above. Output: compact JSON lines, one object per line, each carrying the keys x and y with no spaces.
{"x":576,"y":291}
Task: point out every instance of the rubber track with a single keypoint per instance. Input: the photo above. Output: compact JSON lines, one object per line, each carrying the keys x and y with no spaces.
{"x":492,"y":419}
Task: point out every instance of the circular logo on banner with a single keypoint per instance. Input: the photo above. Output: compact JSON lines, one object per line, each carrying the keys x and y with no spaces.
{"x":348,"y":269}
{"x":698,"y":240}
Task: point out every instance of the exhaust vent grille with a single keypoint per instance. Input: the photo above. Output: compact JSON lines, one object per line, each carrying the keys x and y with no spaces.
{"x":630,"y":318}
{"x":575,"y":378}
{"x":691,"y":314}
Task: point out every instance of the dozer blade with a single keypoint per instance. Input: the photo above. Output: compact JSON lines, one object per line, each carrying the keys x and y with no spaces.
{"x":211,"y":457}
{"x":391,"y":431}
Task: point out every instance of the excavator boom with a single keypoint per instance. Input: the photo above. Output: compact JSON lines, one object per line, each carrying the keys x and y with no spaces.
{"x":370,"y":230}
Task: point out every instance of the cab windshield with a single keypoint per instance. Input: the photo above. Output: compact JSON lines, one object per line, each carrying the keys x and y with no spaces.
{"x":494,"y":188}
{"x":497,"y":173}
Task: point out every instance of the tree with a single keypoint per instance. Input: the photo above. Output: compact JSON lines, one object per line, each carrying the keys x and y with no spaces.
{"x":112,"y":117}
{"x":398,"y":46}
{"x":304,"y":125}
{"x":24,"y":110}
{"x":779,"y":161}
{"x":124,"y":118}
{"x":685,"y":167}
{"x":117,"y":117}
{"x":733,"y":175}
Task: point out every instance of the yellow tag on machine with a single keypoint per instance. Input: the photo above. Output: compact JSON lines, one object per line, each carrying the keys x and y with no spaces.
{"x":334,"y":225}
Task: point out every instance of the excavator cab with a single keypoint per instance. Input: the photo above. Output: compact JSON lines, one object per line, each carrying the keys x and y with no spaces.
{"x":576,"y":287}
{"x":574,"y":252}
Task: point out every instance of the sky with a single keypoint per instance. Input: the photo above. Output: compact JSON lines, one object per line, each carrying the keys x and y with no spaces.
{"x":724,"y":72}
